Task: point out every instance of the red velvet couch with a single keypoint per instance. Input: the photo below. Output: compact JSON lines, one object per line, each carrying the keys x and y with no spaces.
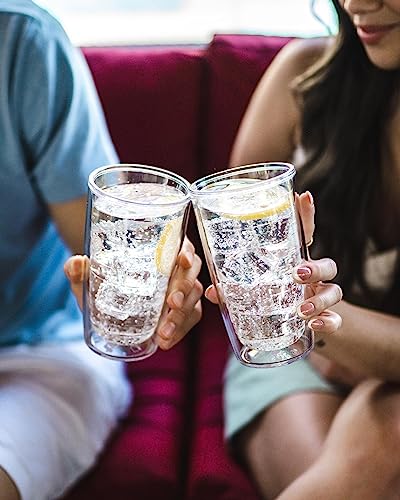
{"x":178,"y":108}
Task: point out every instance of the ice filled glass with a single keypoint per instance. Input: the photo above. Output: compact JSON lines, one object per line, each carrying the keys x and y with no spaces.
{"x":135,"y":224}
{"x":252,"y":240}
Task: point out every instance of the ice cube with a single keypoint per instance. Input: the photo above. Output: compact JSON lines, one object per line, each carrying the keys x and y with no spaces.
{"x":245,"y":267}
{"x":224,"y":235}
{"x":115,"y":302}
{"x":136,"y":273}
{"x":272,"y":230}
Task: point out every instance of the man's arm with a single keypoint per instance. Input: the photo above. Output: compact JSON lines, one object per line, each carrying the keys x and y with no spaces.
{"x":69,"y":217}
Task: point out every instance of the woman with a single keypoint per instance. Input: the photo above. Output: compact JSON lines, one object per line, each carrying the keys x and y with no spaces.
{"x":329,"y":428}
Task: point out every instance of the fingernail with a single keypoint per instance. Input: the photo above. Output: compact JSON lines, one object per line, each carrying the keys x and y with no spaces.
{"x":189,"y":257}
{"x":206,"y":293}
{"x":316,"y":324}
{"x":168,"y":329}
{"x":178,"y":298}
{"x":303,"y":273}
{"x":76,"y":268}
{"x":307,"y":308}
{"x":310,"y":198}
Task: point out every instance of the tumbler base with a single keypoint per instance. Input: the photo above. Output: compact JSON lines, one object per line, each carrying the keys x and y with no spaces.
{"x":111,"y":350}
{"x":269,"y":359}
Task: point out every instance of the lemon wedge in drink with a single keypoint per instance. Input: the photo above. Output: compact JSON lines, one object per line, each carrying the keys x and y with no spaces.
{"x":268,"y":203}
{"x":168,"y":246}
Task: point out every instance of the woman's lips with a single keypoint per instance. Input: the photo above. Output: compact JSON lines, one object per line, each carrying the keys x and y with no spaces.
{"x":373,"y":34}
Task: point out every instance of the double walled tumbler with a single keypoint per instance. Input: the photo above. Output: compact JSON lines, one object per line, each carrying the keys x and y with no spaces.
{"x":252,"y":240}
{"x":136,"y":221}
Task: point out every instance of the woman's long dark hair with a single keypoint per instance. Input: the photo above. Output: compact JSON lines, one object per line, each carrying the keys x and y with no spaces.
{"x":347,"y":103}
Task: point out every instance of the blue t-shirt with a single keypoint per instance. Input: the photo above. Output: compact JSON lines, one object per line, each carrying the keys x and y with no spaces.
{"x":53,"y":134}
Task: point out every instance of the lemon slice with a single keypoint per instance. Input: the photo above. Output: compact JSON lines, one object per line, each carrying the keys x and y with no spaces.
{"x":271,"y":202}
{"x":168,"y":246}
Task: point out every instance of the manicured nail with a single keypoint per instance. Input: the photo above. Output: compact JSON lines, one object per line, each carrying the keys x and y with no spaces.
{"x":310,"y":198}
{"x":178,"y":298}
{"x":168,"y":330}
{"x":307,"y":308}
{"x":303,"y":273}
{"x":316,"y":324}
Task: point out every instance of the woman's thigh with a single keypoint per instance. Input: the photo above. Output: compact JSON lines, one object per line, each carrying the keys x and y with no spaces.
{"x":282,"y":443}
{"x":355,"y":441}
{"x":277,"y":419}
{"x":360,"y":457}
{"x":367,"y":426}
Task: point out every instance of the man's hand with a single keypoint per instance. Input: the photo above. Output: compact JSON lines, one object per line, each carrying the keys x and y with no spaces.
{"x":182,"y":308}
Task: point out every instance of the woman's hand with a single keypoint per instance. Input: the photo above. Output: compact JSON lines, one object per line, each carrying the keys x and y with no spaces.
{"x":319,"y":296}
{"x":183,"y":304}
{"x":334,"y":372}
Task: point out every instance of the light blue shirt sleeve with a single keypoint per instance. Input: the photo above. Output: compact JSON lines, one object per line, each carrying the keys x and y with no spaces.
{"x":59,"y":113}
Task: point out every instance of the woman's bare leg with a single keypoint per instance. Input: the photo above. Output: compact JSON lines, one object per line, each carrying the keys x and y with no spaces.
{"x":286,"y":439}
{"x":8,"y":490}
{"x":358,"y":460}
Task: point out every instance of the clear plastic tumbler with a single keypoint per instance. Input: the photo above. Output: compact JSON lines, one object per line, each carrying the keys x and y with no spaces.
{"x":136,"y":221}
{"x":252,"y":239}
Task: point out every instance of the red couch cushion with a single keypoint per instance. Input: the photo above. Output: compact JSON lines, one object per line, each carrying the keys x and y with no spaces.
{"x":213,"y":472}
{"x":143,"y":458}
{"x":164,"y":109}
{"x":235,"y":64}
{"x":151,"y":99}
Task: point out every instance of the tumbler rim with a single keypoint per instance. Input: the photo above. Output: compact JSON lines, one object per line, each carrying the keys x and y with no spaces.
{"x":289,"y":171}
{"x":137,"y":167}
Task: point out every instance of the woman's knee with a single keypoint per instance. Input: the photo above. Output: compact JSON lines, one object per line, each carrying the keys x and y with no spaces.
{"x":384,"y":404}
{"x":366,"y":429}
{"x":293,"y":429}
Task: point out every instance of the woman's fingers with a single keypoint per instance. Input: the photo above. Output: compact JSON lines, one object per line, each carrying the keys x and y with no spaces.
{"x":325,"y":295}
{"x":326,"y":323}
{"x":315,"y":271}
{"x":306,"y":209}
{"x":76,"y":269}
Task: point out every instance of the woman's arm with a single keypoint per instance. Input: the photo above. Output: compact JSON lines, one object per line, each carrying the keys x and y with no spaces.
{"x":269,"y":130}
{"x":367,"y":343}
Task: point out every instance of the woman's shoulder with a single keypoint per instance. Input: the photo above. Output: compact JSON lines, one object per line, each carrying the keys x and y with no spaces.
{"x":301,"y":53}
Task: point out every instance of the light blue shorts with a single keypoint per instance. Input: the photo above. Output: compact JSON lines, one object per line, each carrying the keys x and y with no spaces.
{"x":249,"y":391}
